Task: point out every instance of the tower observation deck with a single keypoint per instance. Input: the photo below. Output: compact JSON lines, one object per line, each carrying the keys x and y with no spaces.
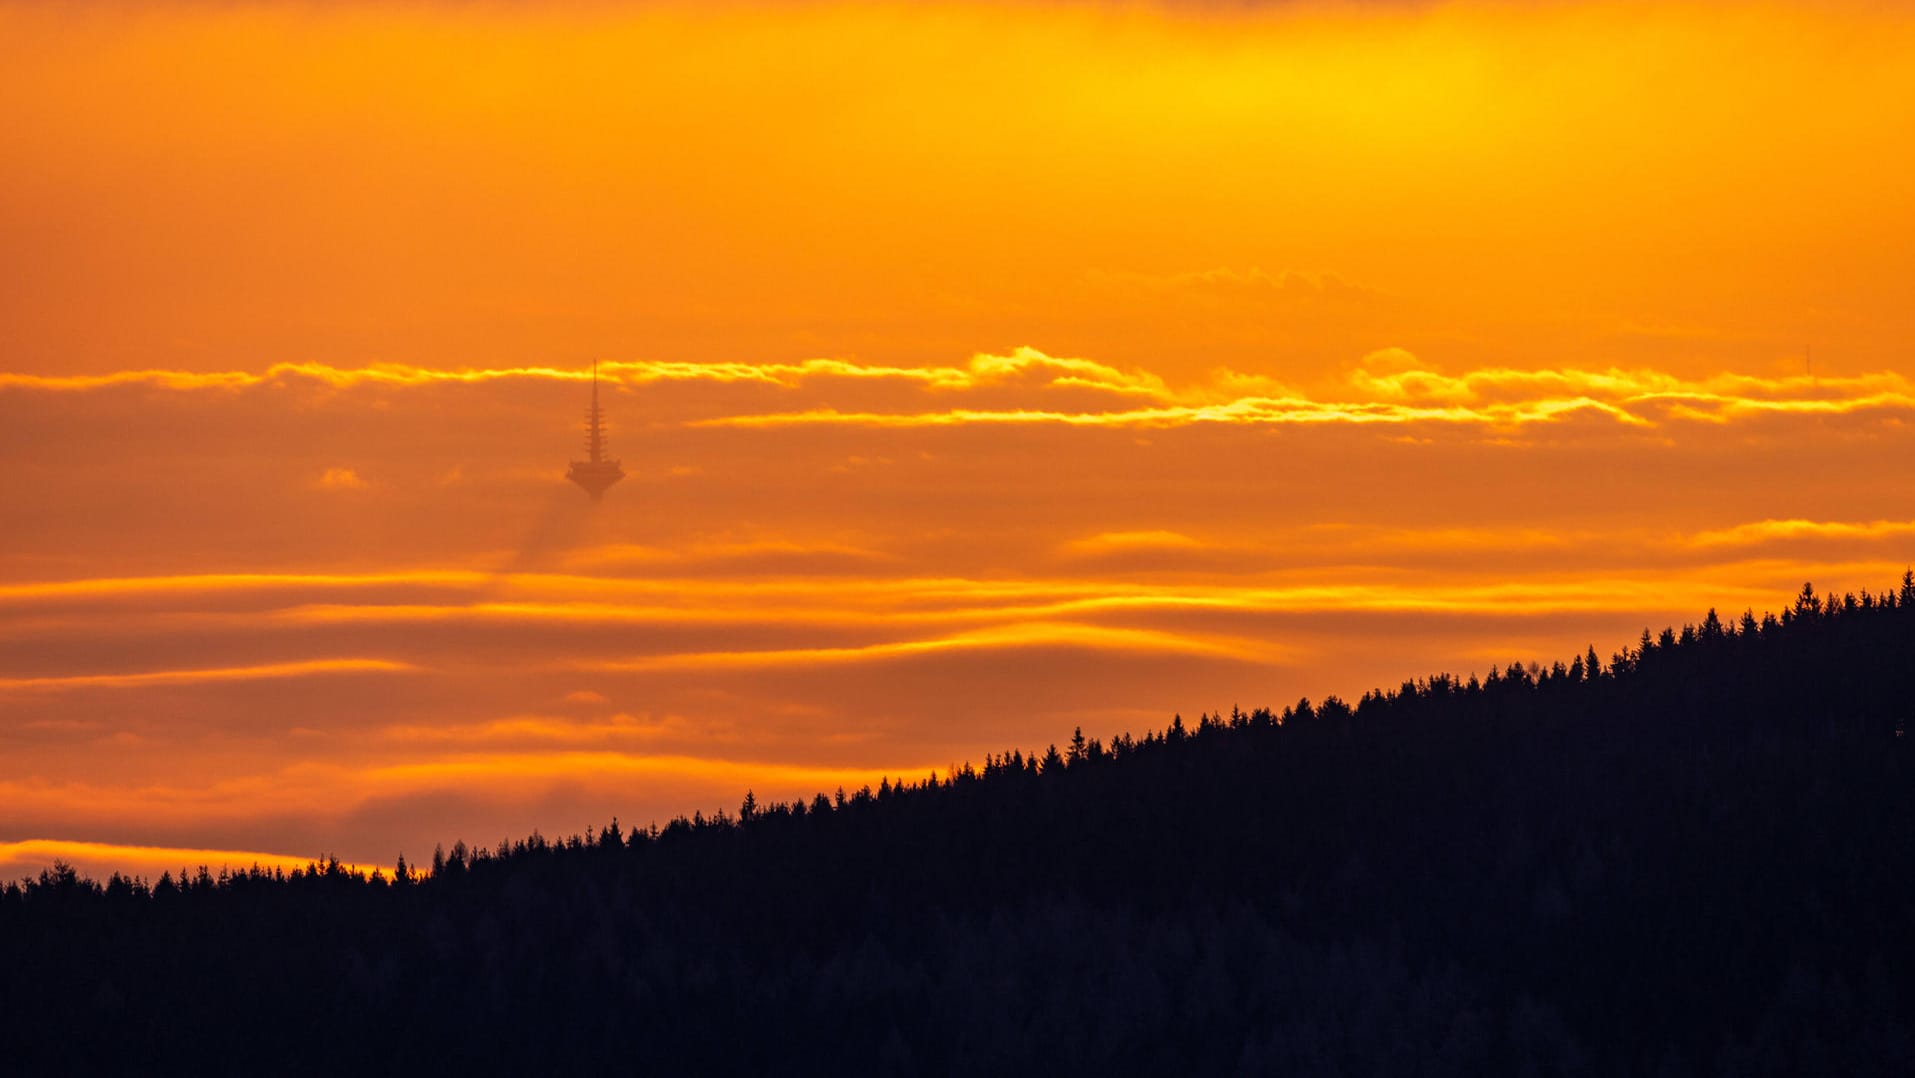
{"x":595,"y":473}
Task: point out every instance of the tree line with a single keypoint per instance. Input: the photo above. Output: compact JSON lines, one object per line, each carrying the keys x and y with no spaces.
{"x":1696,"y":857}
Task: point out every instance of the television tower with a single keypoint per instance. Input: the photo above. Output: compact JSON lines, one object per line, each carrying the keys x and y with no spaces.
{"x":595,"y":473}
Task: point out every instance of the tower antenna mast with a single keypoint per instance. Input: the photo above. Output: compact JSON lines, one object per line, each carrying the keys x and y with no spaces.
{"x":595,"y":425}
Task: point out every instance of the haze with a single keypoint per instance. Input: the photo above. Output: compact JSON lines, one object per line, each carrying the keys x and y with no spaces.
{"x":979,"y":372}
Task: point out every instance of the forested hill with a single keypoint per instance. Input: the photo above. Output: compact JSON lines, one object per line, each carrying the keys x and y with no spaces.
{"x":1695,"y":857}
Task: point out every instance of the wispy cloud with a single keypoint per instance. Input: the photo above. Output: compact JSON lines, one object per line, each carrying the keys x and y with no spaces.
{"x":1758,"y":533}
{"x":337,"y":478}
{"x":150,"y":678}
{"x":1390,"y":387}
{"x":1021,"y":635}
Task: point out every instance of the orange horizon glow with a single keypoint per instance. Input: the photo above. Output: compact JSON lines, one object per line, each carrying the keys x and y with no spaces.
{"x":100,"y":860}
{"x":979,"y":372}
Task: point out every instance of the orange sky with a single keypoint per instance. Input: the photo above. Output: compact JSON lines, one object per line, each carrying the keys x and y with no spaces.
{"x":980,"y":370}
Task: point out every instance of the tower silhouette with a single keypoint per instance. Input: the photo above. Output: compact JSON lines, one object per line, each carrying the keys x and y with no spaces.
{"x":595,"y":473}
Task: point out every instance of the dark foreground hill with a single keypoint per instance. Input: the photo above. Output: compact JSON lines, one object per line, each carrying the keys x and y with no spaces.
{"x":1696,"y":858}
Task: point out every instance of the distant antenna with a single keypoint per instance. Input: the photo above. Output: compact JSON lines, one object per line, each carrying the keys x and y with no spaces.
{"x":595,"y":423}
{"x":595,"y":473}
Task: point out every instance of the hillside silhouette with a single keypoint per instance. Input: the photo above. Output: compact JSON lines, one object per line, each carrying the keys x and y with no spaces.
{"x":1693,"y":857}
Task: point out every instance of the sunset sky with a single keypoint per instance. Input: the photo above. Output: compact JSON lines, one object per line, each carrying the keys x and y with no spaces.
{"x":980,"y":371}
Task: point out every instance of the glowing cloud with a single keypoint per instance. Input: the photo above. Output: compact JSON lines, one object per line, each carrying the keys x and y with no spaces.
{"x":1390,"y":387}
{"x":341,"y":479}
{"x":188,"y":677}
{"x":979,"y":371}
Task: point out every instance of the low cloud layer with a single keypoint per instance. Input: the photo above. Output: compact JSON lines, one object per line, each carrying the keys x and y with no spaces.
{"x":207,"y":649}
{"x":979,"y":371}
{"x":1389,"y":386}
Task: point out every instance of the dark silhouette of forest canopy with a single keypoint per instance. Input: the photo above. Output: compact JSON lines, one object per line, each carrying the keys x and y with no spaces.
{"x":1693,"y":857}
